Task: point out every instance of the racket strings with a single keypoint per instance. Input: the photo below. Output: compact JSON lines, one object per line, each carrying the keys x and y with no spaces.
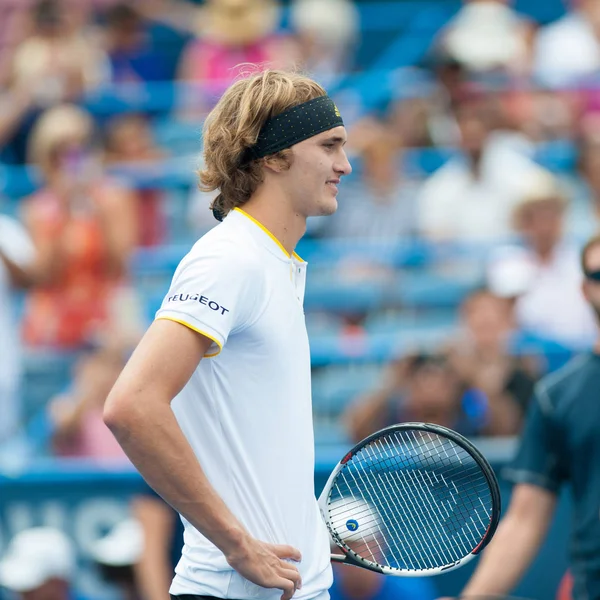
{"x":411,"y":500}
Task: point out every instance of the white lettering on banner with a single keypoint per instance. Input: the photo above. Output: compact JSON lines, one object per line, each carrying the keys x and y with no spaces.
{"x":84,"y":521}
{"x":94,"y":518}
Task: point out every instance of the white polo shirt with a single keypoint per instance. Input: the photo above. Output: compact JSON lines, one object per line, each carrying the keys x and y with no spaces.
{"x":247,"y":409}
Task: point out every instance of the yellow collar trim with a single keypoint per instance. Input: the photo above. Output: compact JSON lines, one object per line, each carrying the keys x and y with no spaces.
{"x":269,"y":234}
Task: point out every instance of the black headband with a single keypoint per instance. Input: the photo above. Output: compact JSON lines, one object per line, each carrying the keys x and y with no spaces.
{"x":291,"y":127}
{"x":295,"y":125}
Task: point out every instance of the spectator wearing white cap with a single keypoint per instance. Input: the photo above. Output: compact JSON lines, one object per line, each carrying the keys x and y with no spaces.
{"x":542,"y":273}
{"x":39,"y":564}
{"x":487,"y":35}
{"x":117,"y":553}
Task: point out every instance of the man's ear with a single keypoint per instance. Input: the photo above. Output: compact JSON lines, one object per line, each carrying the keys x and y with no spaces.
{"x":277,"y":163}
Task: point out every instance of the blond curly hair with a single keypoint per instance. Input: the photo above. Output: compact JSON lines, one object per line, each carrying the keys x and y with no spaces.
{"x":233,"y":127}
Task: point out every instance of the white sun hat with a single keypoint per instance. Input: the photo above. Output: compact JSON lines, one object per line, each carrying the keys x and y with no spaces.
{"x":35,"y":556}
{"x":123,"y":546}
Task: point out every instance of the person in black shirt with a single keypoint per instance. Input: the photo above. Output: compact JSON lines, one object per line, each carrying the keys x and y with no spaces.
{"x":560,"y":445}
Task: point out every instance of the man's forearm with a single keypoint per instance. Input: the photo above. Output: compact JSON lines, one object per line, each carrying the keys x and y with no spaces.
{"x":155,"y":444}
{"x":506,"y":558}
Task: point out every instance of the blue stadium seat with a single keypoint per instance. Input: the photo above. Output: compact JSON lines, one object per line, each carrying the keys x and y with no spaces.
{"x":419,"y":321}
{"x":46,"y":373}
{"x":330,"y":433}
{"x":334,"y":387}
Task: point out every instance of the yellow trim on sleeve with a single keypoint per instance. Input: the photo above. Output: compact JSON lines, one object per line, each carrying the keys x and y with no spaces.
{"x":210,"y":337}
{"x":269,"y":234}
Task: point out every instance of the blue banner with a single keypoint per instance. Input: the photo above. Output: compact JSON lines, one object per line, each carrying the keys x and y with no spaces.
{"x":85,"y":500}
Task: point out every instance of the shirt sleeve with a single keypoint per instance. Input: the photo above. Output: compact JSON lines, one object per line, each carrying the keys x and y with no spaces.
{"x":215,"y":294}
{"x":15,"y":242}
{"x":540,"y":458}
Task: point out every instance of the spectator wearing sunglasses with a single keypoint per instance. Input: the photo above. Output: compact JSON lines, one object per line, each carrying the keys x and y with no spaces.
{"x":560,"y":445}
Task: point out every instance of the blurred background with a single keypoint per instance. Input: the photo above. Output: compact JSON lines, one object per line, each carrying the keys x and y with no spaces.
{"x":445,"y":286}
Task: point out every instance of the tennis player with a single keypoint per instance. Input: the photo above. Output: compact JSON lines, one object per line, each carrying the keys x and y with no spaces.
{"x":560,"y":444}
{"x":214,"y":406}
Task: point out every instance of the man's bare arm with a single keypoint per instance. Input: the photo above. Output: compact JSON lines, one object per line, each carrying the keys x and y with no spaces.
{"x":139,"y":414}
{"x":516,"y":542}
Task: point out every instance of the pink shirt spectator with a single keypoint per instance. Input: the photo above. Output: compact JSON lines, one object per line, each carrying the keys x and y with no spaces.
{"x":94,"y":440}
{"x":215,"y":65}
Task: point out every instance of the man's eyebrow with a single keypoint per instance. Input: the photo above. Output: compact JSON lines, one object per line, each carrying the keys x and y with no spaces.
{"x":337,"y":139}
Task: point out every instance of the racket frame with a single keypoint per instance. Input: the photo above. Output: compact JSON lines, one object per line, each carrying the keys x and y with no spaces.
{"x":352,"y":558}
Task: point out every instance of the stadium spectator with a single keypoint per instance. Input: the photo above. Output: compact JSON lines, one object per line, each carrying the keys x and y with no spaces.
{"x":471,"y":197}
{"x":85,"y":228}
{"x":139,"y":554}
{"x":377,"y":205}
{"x":130,"y":150}
{"x":568,"y":49}
{"x":58,"y":59}
{"x":17,"y":256}
{"x":543,"y":272}
{"x":559,"y":446}
{"x":163,"y":539}
{"x":229,"y":34}
{"x":128,"y":140}
{"x":423,"y":114}
{"x":326,"y":32}
{"x":39,"y":564}
{"x":488,"y":35}
{"x":421,"y":387}
{"x":14,"y":27}
{"x":76,"y":415}
{"x":583,"y":219}
{"x":16,"y":106}
{"x":500,"y":382}
{"x":116,"y":554}
{"x":130,"y":53}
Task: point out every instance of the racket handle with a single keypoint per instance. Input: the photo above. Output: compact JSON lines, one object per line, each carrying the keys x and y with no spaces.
{"x":338,"y":558}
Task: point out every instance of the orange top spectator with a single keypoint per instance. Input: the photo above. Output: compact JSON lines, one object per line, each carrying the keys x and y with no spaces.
{"x":84,"y":227}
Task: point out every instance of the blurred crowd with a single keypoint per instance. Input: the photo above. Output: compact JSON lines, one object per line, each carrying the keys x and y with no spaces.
{"x":497,"y":94}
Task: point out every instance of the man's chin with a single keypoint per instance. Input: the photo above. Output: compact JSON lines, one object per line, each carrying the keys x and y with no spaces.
{"x":328,"y":207}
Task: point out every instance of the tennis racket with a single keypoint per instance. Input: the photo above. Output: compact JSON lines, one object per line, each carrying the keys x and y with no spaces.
{"x":413,"y":499}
